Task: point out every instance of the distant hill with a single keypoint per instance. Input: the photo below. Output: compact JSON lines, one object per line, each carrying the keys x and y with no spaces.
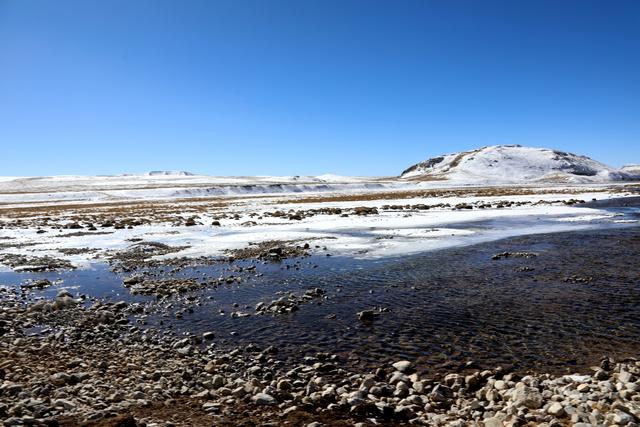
{"x":516,"y":164}
{"x":632,"y":169}
{"x":169,"y":173}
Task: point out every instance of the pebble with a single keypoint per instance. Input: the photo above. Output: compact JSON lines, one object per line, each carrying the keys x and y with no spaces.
{"x":129,"y":371}
{"x":263,"y":399}
{"x":493,"y":422}
{"x":402,"y":366}
{"x":366,"y":315}
{"x":556,"y":409}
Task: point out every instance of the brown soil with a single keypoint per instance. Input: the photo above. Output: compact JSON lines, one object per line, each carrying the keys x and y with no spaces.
{"x":459,"y":192}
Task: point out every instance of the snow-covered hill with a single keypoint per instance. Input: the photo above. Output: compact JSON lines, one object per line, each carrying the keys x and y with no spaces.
{"x":514,"y":164}
{"x":632,"y":169}
{"x":170,"y":173}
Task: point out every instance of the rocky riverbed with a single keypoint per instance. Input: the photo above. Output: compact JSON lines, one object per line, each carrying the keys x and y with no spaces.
{"x":535,"y":330}
{"x":93,"y":366}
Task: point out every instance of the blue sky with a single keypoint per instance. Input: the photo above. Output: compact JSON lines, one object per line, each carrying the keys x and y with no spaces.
{"x":364,"y":87}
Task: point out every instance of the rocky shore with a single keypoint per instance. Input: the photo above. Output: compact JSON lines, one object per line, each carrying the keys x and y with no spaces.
{"x":90,"y":363}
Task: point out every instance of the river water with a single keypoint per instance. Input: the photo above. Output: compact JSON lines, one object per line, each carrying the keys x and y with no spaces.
{"x":575,"y":301}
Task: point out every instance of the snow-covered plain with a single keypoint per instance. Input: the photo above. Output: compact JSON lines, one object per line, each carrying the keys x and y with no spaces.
{"x":456,"y":199}
{"x":391,"y":232}
{"x":170,"y":185}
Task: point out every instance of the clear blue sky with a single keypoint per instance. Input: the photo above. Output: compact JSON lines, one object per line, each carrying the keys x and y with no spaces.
{"x":308,"y":87}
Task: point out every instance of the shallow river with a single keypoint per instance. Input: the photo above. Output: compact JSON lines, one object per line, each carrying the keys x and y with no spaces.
{"x":577,"y":300}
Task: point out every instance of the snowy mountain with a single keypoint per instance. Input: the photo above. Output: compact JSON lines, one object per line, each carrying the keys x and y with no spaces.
{"x":514,"y":164}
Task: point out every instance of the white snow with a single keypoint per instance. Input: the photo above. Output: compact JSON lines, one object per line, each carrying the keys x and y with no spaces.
{"x":583,"y":218}
{"x":632,"y":169}
{"x":390,"y":233}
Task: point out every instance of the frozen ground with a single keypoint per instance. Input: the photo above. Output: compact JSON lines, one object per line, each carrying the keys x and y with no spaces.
{"x":77,"y":218}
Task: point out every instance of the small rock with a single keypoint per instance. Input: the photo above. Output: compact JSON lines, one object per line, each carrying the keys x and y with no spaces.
{"x":600,"y":375}
{"x":263,"y":399}
{"x":66,"y":404}
{"x":217,"y":381}
{"x":402,"y":366}
{"x":366,"y":315}
{"x":60,"y":378}
{"x":555,"y":409}
{"x":493,"y":422}
{"x":527,"y":396}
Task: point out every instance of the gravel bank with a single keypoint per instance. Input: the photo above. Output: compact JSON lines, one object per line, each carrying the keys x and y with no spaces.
{"x":93,"y":365}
